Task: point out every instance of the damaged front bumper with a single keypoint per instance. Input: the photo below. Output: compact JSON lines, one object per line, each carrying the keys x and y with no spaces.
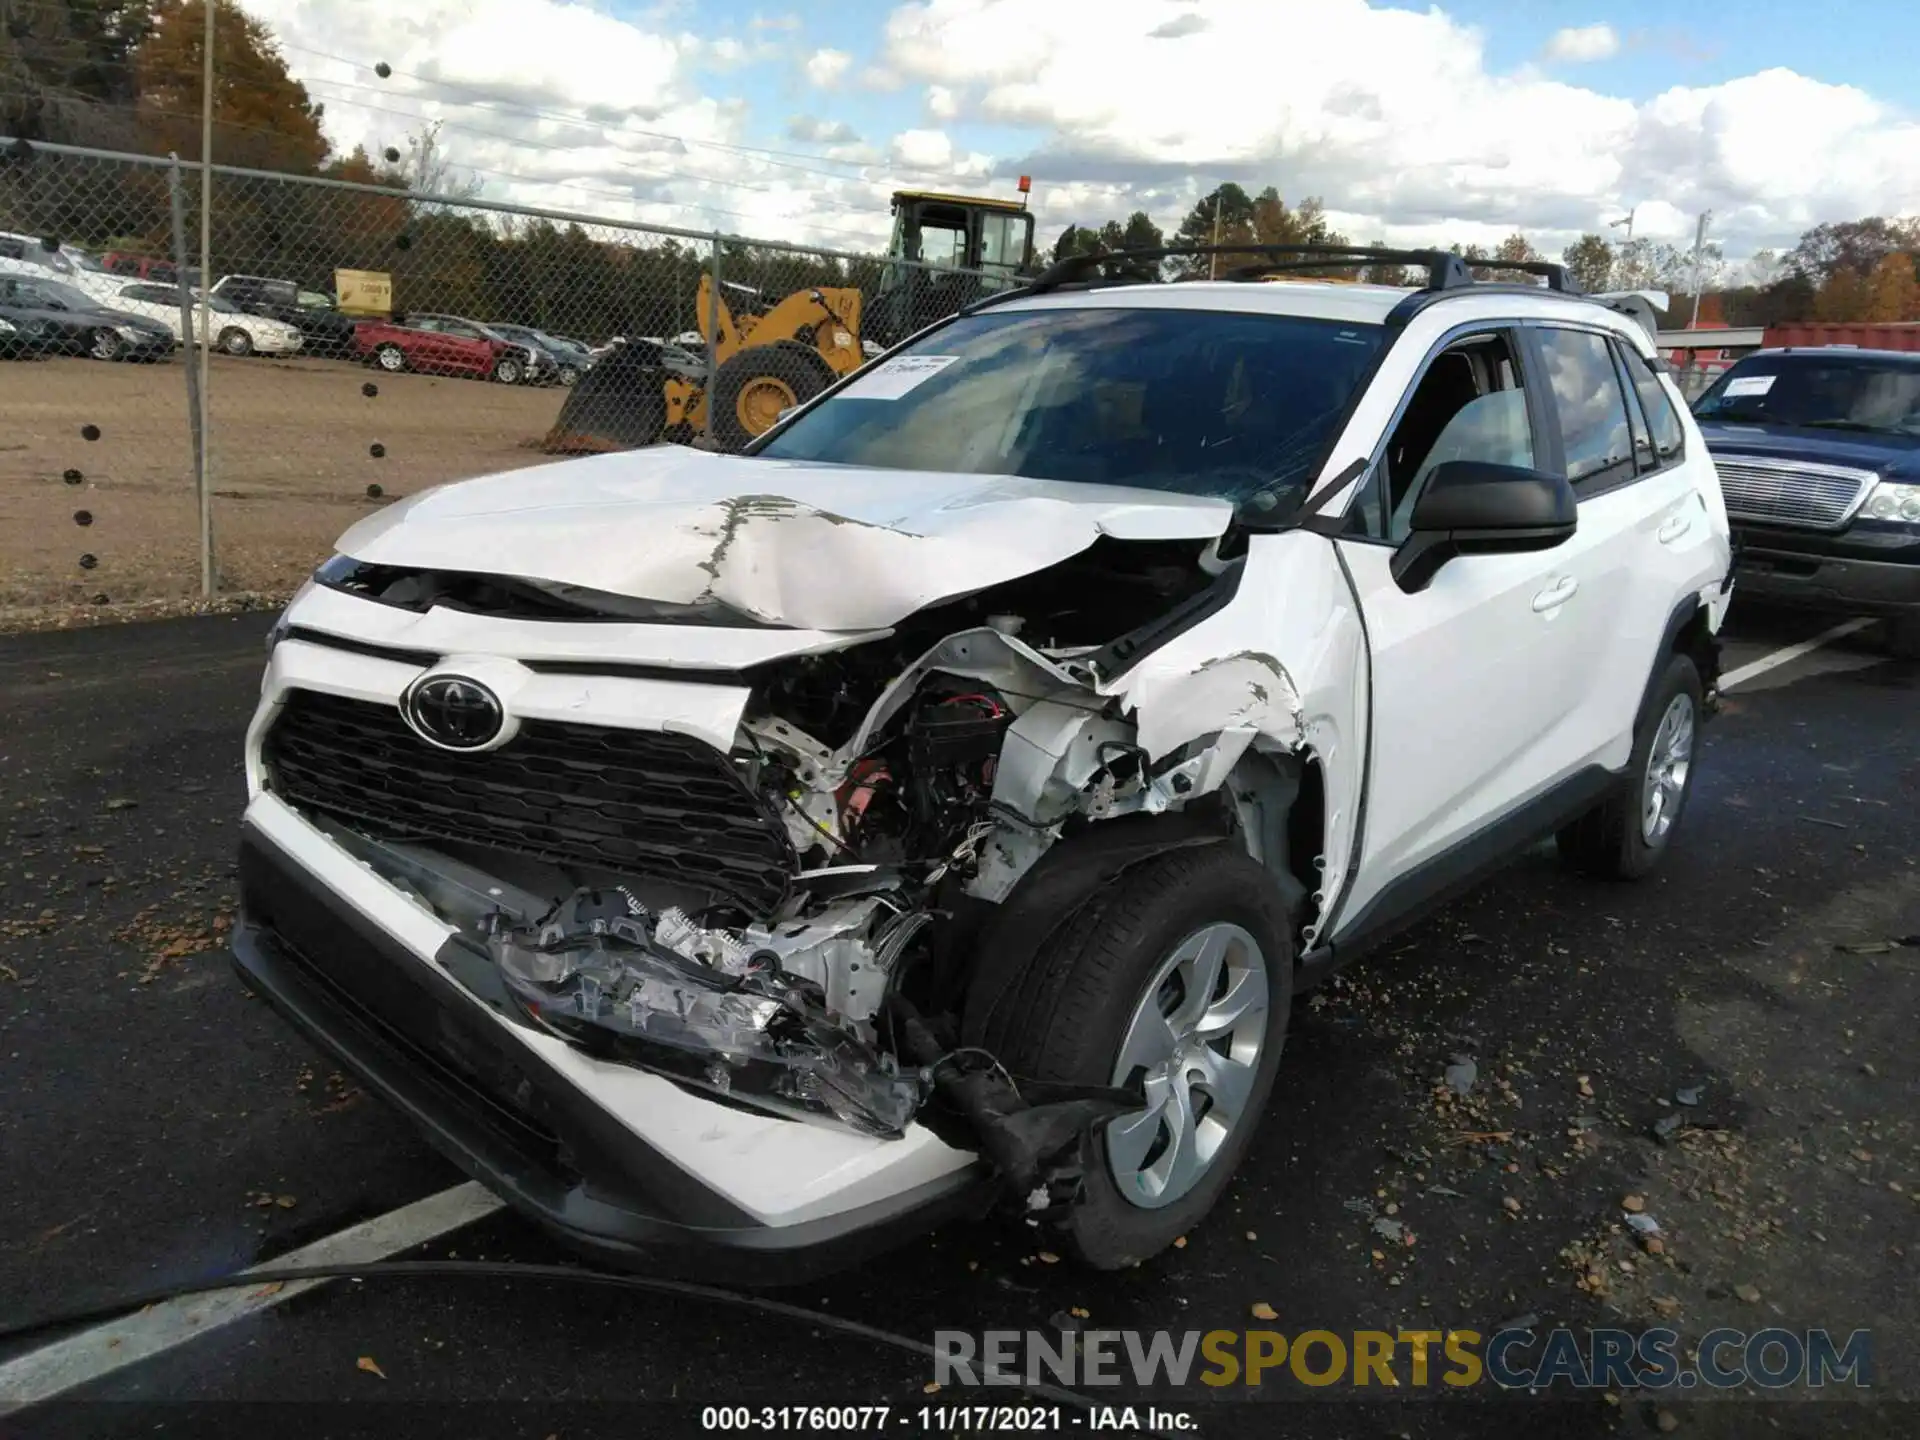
{"x":611,"y":1159}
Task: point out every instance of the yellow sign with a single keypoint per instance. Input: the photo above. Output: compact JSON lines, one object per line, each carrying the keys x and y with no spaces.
{"x":364,"y":292}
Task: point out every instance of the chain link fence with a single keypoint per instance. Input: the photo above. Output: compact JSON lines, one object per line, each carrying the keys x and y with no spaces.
{"x":1693,"y":376}
{"x":366,"y":343}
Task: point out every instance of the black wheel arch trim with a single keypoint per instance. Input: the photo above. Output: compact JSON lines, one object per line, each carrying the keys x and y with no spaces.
{"x":1072,"y":871}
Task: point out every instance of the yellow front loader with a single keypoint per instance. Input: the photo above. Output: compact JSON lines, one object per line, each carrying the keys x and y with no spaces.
{"x":760,"y":364}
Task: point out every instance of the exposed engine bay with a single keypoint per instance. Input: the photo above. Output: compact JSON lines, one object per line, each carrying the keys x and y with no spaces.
{"x":916,"y":778}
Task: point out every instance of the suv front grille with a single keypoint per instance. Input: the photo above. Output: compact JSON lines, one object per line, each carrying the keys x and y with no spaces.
{"x":637,"y":802}
{"x":1791,"y":492}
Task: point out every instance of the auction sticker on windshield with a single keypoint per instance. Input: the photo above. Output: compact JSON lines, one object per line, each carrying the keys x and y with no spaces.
{"x":1749,"y":385}
{"x":893,"y":378}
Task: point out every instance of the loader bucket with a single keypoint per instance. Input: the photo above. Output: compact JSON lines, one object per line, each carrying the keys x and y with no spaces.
{"x":619,"y":404}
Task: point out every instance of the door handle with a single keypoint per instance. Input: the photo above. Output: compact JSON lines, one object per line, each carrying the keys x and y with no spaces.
{"x":1674,"y":529}
{"x":1555,"y":595}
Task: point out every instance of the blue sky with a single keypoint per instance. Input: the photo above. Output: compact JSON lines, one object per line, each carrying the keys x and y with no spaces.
{"x":1872,"y":44}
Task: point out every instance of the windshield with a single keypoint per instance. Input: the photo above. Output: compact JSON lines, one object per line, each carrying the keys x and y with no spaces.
{"x":1818,"y":392}
{"x":1240,"y":406}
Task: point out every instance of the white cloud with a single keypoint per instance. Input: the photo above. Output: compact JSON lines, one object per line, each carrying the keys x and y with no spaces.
{"x":826,"y":67}
{"x":812,"y":130}
{"x":555,"y":105}
{"x":942,"y":103}
{"x":1579,"y":44}
{"x":1396,"y":118}
{"x":776,"y":22}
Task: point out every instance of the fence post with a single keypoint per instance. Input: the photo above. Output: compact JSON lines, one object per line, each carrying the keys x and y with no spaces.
{"x":177,"y":200}
{"x":713,"y":336}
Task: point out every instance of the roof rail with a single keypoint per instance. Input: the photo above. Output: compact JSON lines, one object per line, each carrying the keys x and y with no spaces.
{"x":1445,"y":270}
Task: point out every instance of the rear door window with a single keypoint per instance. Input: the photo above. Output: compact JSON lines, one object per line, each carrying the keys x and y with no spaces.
{"x":1586,"y":396}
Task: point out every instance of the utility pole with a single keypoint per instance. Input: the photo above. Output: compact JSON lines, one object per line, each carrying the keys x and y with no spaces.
{"x":1213,"y":260}
{"x":1699,"y":247}
{"x":206,"y":300}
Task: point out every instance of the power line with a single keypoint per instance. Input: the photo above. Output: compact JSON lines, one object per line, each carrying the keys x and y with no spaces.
{"x":526,"y":143}
{"x":511,"y":176}
{"x":784,"y":158}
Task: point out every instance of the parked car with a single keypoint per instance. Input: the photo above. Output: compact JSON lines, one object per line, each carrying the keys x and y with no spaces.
{"x":441,"y":345}
{"x":148,"y":267}
{"x":1819,"y":457}
{"x":60,"y":261}
{"x":556,"y":361}
{"x":234,"y":331}
{"x":767,"y":855}
{"x":324,"y":331}
{"x":50,"y":317}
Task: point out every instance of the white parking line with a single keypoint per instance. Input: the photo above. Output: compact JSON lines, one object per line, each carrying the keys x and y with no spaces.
{"x":1790,"y":653}
{"x":52,"y":1370}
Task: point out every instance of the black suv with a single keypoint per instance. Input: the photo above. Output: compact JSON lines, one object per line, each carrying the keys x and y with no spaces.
{"x":323,"y":331}
{"x":1819,"y":458}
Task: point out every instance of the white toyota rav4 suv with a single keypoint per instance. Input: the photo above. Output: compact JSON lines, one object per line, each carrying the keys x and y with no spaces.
{"x":944,"y":804}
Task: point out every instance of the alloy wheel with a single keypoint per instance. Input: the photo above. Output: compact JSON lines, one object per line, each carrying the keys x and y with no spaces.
{"x":1195,"y":1043}
{"x":1669,"y":763}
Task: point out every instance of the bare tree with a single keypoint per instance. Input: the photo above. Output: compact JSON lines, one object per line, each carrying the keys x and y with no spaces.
{"x":427,"y":169}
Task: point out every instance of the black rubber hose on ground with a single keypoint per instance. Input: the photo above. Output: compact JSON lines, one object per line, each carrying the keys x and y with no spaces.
{"x":518,"y":1270}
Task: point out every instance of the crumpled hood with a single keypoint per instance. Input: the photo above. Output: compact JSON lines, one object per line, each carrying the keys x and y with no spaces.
{"x":814,"y":546}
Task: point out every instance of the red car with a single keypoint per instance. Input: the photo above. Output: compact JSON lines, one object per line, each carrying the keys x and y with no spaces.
{"x":440,"y":345}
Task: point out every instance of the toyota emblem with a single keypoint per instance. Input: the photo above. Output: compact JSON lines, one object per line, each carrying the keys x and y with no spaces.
{"x":453,"y":712}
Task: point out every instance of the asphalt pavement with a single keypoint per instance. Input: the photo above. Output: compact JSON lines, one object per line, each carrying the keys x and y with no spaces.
{"x":162,"y":1127}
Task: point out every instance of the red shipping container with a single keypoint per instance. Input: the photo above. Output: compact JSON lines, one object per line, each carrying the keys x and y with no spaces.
{"x":1889,"y":335}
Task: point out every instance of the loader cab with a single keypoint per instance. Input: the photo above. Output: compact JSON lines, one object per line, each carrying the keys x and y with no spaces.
{"x":947,"y":251}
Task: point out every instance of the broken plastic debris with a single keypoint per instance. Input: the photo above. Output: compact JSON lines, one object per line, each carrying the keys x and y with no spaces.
{"x":1643,"y":1224}
{"x":597,"y":971}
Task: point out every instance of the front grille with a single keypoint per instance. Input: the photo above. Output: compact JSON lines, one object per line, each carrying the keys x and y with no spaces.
{"x":636,"y":802}
{"x":1791,"y":492}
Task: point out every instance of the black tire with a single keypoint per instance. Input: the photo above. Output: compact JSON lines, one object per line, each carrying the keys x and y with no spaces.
{"x":103,"y":344}
{"x":753,"y":381}
{"x":235,"y":341}
{"x":390,"y":358}
{"x":1065,"y":1018}
{"x":568,"y":376}
{"x":1903,"y":637}
{"x":507,"y":371}
{"x":1610,"y":842}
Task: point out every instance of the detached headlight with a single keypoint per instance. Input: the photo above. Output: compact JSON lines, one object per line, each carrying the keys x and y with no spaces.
{"x":1898,"y":503}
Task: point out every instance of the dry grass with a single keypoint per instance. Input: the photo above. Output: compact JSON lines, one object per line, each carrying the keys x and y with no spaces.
{"x":291,"y":465}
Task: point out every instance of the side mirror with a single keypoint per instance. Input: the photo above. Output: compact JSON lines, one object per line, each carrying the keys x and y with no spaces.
{"x":1472,"y":507}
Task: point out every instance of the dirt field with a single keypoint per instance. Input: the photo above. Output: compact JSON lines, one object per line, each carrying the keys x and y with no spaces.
{"x":291,"y":455}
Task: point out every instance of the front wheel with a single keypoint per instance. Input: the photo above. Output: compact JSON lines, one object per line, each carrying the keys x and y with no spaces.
{"x":1625,"y":836}
{"x":569,"y":376}
{"x":104,"y":345}
{"x":1178,"y":979}
{"x":236,"y":341}
{"x":506,"y":371}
